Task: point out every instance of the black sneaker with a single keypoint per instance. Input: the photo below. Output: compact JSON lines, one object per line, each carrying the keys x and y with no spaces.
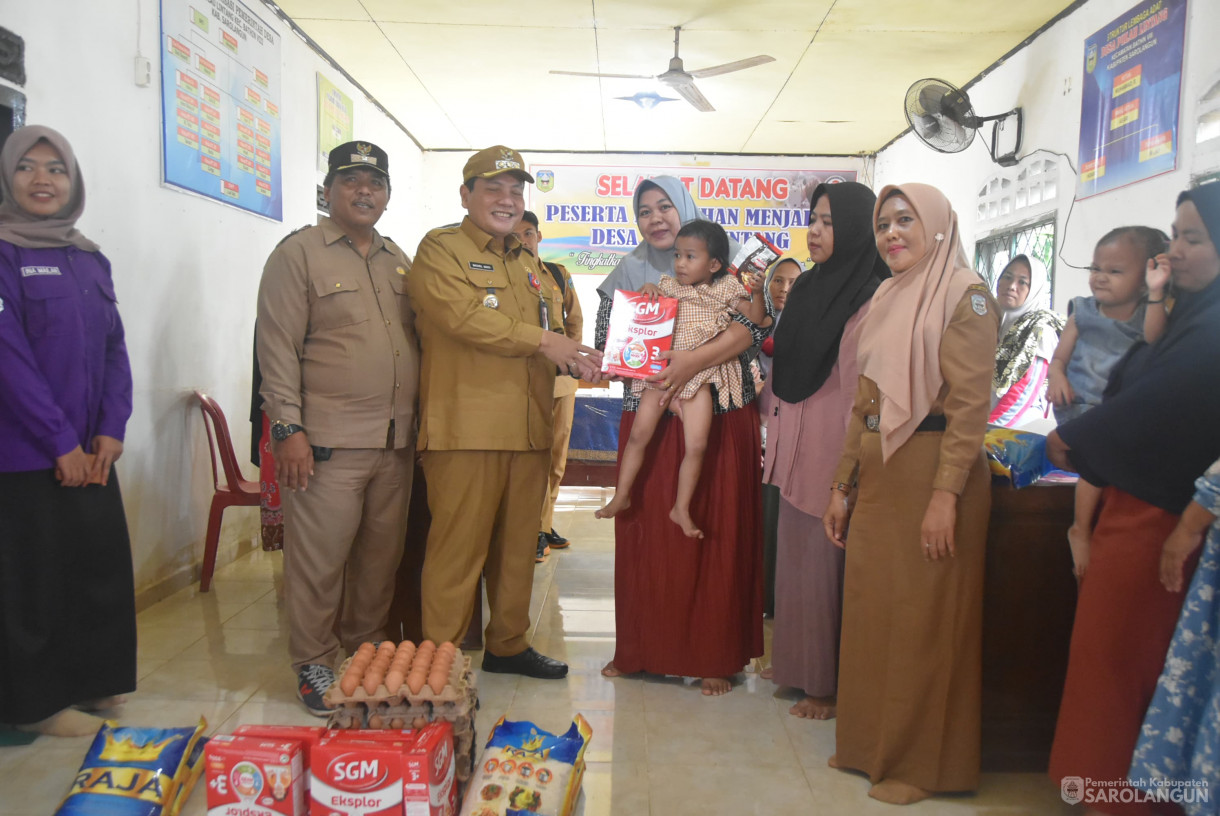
{"x":312,"y":682}
{"x":543,"y":549}
{"x":557,"y":541}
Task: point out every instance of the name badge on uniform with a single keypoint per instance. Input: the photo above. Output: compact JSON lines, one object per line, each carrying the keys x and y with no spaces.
{"x":39,"y":271}
{"x":979,"y":304}
{"x":481,"y":266}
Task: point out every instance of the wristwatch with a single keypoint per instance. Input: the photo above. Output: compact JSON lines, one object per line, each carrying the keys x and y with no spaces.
{"x":282,"y":430}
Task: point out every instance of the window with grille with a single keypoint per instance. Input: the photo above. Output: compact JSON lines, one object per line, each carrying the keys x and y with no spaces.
{"x":992,"y":254}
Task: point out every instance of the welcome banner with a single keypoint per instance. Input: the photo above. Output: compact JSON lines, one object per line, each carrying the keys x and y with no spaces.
{"x":587,"y":222}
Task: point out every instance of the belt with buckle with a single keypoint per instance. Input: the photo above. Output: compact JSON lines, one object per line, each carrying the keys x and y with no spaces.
{"x":932,"y":422}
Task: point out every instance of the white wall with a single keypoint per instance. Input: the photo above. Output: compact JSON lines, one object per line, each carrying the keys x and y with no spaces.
{"x":186,"y":269}
{"x":1045,"y":79}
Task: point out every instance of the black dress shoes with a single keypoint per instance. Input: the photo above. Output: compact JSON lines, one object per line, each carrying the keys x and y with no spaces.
{"x":528,"y":663}
{"x":556,"y":541}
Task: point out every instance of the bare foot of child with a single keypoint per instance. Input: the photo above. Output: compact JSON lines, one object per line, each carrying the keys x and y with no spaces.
{"x":684,"y":521}
{"x":610,"y":670}
{"x":66,"y":723}
{"x":715,"y":686}
{"x":814,"y":708}
{"x":618,"y":504}
{"x":893,"y":792}
{"x":1079,"y":539}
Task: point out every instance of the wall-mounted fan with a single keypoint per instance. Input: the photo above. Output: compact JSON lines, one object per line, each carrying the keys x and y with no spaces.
{"x":943,"y":118}
{"x":681,"y":80}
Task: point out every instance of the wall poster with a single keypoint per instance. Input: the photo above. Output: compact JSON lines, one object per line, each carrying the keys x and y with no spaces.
{"x":336,"y":117}
{"x":587,"y":221}
{"x":1130,"y":97}
{"x":220,"y":103}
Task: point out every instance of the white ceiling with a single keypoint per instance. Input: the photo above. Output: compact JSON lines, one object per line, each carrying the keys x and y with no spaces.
{"x":465,"y":74}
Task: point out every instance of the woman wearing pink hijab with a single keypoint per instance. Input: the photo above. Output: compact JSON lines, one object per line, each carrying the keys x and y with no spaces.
{"x":910,"y":661}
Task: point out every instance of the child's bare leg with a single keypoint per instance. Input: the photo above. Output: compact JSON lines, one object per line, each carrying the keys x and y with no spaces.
{"x":696,"y":423}
{"x":1080,"y":534}
{"x":645,"y":425}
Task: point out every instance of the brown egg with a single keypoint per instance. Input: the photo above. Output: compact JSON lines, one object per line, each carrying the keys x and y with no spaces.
{"x":381,"y":660}
{"x":366,"y":648}
{"x":419,"y":722}
{"x":386,"y":648}
{"x":399,"y":664}
{"x":447,"y":646}
{"x":422,"y":661}
{"x":437,"y":680}
{"x":415,"y":681}
{"x":393,"y":681}
{"x":349,"y":684}
{"x":372,"y":680}
{"x":427,"y":644}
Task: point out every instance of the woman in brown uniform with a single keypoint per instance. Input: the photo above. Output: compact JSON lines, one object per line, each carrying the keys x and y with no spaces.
{"x":910,"y":667}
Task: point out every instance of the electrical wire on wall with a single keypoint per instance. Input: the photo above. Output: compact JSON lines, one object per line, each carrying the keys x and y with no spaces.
{"x":1071,"y":204}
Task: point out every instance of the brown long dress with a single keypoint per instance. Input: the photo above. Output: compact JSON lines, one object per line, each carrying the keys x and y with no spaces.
{"x":910,"y":663}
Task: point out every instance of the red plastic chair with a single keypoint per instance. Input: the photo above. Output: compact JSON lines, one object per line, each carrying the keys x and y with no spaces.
{"x":236,"y":492}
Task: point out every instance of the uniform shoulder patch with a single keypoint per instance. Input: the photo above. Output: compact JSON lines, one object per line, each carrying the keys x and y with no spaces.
{"x":294,"y":232}
{"x":978,"y":302}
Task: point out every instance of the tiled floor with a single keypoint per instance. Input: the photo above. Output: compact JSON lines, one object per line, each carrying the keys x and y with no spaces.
{"x":659,"y":746}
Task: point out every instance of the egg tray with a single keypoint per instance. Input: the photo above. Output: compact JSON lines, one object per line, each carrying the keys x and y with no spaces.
{"x":413,"y":711}
{"x":454,"y":690}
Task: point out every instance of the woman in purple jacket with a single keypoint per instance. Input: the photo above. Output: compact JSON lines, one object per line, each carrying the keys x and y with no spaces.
{"x":67,"y":600}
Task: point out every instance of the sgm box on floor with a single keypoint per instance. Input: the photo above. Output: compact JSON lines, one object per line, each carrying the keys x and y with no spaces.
{"x":249,"y":776}
{"x":358,"y":778}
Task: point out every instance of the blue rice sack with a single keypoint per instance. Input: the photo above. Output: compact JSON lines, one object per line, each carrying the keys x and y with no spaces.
{"x":1021,"y":456}
{"x":134,"y":772}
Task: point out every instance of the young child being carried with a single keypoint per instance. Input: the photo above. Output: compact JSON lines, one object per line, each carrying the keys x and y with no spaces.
{"x":1129,"y":263}
{"x":707,"y":298}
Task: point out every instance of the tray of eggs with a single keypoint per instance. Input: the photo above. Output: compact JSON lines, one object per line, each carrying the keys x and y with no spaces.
{"x":392,"y":671}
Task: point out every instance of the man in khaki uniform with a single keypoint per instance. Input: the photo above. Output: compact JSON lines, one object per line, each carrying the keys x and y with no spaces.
{"x":340,"y":375}
{"x":530,"y":235}
{"x":484,"y":310}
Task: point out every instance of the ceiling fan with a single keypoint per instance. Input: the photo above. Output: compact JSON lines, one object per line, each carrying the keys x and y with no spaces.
{"x":681,"y":80}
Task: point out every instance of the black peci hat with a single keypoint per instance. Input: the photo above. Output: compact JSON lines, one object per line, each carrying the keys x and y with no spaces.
{"x":358,"y":154}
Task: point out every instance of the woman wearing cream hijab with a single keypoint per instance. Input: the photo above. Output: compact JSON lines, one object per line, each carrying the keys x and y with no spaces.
{"x":910,"y":660}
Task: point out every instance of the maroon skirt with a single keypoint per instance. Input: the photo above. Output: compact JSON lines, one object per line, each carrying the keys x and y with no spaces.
{"x":1124,"y":623}
{"x":685,"y":606}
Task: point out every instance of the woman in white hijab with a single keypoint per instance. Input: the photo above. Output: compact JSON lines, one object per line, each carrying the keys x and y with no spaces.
{"x":1029,"y":333}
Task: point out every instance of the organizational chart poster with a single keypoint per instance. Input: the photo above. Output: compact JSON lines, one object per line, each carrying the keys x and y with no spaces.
{"x":1130,"y":100}
{"x":220,"y":99}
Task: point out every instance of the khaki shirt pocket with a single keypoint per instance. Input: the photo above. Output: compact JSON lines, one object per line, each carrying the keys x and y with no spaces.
{"x":484,"y":279}
{"x":399,"y":284}
{"x":338,"y":303}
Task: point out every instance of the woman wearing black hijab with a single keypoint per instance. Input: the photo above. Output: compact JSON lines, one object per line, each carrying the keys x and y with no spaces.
{"x":1151,"y":437}
{"x":814,"y":381}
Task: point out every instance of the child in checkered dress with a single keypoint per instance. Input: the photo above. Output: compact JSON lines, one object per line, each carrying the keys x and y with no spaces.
{"x":707,"y":298}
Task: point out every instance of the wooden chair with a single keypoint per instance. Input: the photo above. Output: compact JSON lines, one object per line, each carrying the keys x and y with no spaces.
{"x":236,"y":492}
